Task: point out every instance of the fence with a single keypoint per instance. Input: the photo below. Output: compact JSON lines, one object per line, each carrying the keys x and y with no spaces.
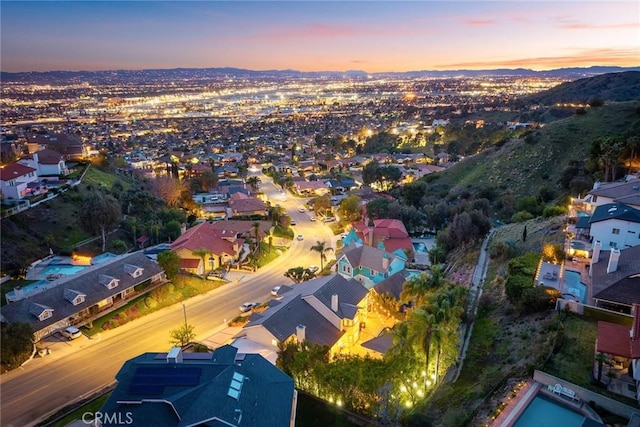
{"x":585,"y":395}
{"x":593,"y":312}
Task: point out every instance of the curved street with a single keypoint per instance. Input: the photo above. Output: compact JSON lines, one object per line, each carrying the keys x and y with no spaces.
{"x":77,"y":368}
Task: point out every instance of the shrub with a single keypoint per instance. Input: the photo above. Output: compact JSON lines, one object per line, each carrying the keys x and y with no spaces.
{"x":150,"y":302}
{"x":521,"y":216}
{"x":551,"y":211}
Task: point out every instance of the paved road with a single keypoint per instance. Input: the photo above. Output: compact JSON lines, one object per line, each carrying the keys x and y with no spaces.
{"x":76,"y":368}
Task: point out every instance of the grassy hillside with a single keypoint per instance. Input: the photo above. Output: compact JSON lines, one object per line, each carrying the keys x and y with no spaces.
{"x":524,"y":167}
{"x":614,"y":87}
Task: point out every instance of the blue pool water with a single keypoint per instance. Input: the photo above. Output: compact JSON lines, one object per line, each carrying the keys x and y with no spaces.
{"x":572,"y":285}
{"x":545,"y":412}
{"x":420,"y":247}
{"x":67,"y":270}
{"x":578,"y":245}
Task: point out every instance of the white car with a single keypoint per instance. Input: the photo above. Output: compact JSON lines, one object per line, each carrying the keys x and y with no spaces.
{"x":248,"y":306}
{"x":274,"y":291}
{"x":293,"y":222}
{"x":71,"y":333}
{"x":312,"y":218}
{"x":300,"y":237}
{"x":300,"y":209}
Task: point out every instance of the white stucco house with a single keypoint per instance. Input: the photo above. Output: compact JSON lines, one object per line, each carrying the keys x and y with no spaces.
{"x":16,"y":180}
{"x":615,"y":225}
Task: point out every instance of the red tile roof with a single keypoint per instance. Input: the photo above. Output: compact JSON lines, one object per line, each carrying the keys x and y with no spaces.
{"x":206,"y":236}
{"x":613,"y":339}
{"x":14,"y":170}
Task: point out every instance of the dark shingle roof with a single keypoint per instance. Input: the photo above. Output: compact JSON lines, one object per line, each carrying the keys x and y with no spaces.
{"x":615,"y":211}
{"x":196,"y":391}
{"x":628,"y":265}
{"x":393,"y":284}
{"x":86,"y":282}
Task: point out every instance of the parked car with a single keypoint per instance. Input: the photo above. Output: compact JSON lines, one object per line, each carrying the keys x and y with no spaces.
{"x":71,"y":333}
{"x":301,"y":209}
{"x":248,"y":306}
{"x":274,"y":291}
{"x":293,"y":222}
{"x":300,"y":237}
{"x":312,"y":218}
{"x":329,"y":219}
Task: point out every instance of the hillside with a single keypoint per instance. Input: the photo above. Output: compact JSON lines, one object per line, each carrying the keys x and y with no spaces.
{"x":614,"y":87}
{"x":524,"y":167}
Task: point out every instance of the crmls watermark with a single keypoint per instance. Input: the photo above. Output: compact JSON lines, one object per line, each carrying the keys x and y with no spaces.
{"x":114,"y":418}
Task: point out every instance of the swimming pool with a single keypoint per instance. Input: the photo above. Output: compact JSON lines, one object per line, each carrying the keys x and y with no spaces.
{"x":420,"y":247}
{"x":572,"y":285}
{"x":66,"y":270}
{"x":578,"y":245}
{"x":543,"y":411}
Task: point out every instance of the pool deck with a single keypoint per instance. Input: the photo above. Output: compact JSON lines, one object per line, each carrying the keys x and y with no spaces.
{"x":517,"y":405}
{"x":422,"y":258}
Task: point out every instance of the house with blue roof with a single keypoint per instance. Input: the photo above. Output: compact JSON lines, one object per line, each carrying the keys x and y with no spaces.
{"x":223,"y":388}
{"x":615,"y":225}
{"x":369,"y":265}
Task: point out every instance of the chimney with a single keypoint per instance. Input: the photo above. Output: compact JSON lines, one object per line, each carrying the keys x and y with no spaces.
{"x":300,"y":333}
{"x":613,"y":260}
{"x":18,"y":293}
{"x":596,"y":185}
{"x":334,"y":302}
{"x":174,"y":355}
{"x":595,"y":257}
{"x":385,"y":261}
{"x":35,"y":159}
{"x":183,"y":228}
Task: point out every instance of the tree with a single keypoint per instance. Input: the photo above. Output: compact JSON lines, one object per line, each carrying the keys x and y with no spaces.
{"x":202,"y":253}
{"x":417,"y":287}
{"x":253,"y":182}
{"x":322,"y":250}
{"x":524,"y":234}
{"x":17,"y":344}
{"x":101,"y":213}
{"x":370,"y":172}
{"x":182,"y":335}
{"x":299,"y":274}
{"x":256,"y":234}
{"x":322,"y":204}
{"x":170,"y":189}
{"x":378,"y":208}
{"x":350,"y":209}
{"x":170,"y":263}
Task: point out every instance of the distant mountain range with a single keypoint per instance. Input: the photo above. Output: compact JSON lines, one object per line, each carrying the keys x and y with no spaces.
{"x":203,"y":74}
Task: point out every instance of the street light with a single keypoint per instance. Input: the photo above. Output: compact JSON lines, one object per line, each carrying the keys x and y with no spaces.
{"x":184,"y":309}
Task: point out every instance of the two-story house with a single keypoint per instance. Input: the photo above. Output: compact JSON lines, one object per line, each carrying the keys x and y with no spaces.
{"x":223,"y":388}
{"x":327,"y":310}
{"x":47,"y":162}
{"x":369,"y":265}
{"x":615,"y":225}
{"x":17,"y":180}
{"x":615,"y":277}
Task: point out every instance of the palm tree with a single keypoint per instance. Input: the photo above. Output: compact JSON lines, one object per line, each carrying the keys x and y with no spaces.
{"x":269,"y":235}
{"x":320,"y":248}
{"x":256,"y":233}
{"x":417,"y":288}
{"x":253,"y":182}
{"x":421,"y":325}
{"x":202,"y":253}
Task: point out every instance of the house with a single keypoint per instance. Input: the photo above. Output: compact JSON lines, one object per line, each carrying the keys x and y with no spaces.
{"x":341,"y":185}
{"x":369,"y":265}
{"x":313,"y":188}
{"x":76,"y":298}
{"x":47,"y":162}
{"x":70,"y":146}
{"x":615,"y":225}
{"x":242,"y":205}
{"x":17,"y":181}
{"x":627,"y":192}
{"x":327,"y":310}
{"x":391,"y":232}
{"x":615,"y":277}
{"x":223,"y":247}
{"x":223,"y":388}
{"x":392,"y":286}
{"x":622,"y":346}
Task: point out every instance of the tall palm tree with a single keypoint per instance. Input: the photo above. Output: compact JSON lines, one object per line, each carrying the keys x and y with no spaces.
{"x":322,"y":249}
{"x":202,"y":253}
{"x":421,"y":325}
{"x":256,"y":233}
{"x":417,"y":288}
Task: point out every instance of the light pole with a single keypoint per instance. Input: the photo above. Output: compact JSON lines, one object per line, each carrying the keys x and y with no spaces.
{"x":184,"y":309}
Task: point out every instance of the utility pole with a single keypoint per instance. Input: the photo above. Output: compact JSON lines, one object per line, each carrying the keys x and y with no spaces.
{"x":184,"y":309}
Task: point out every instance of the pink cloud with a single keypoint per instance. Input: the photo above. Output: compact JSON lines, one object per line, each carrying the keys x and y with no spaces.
{"x":480,"y":22}
{"x":617,"y":57}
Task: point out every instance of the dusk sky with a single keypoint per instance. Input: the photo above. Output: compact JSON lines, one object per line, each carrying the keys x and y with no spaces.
{"x":373,"y":36}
